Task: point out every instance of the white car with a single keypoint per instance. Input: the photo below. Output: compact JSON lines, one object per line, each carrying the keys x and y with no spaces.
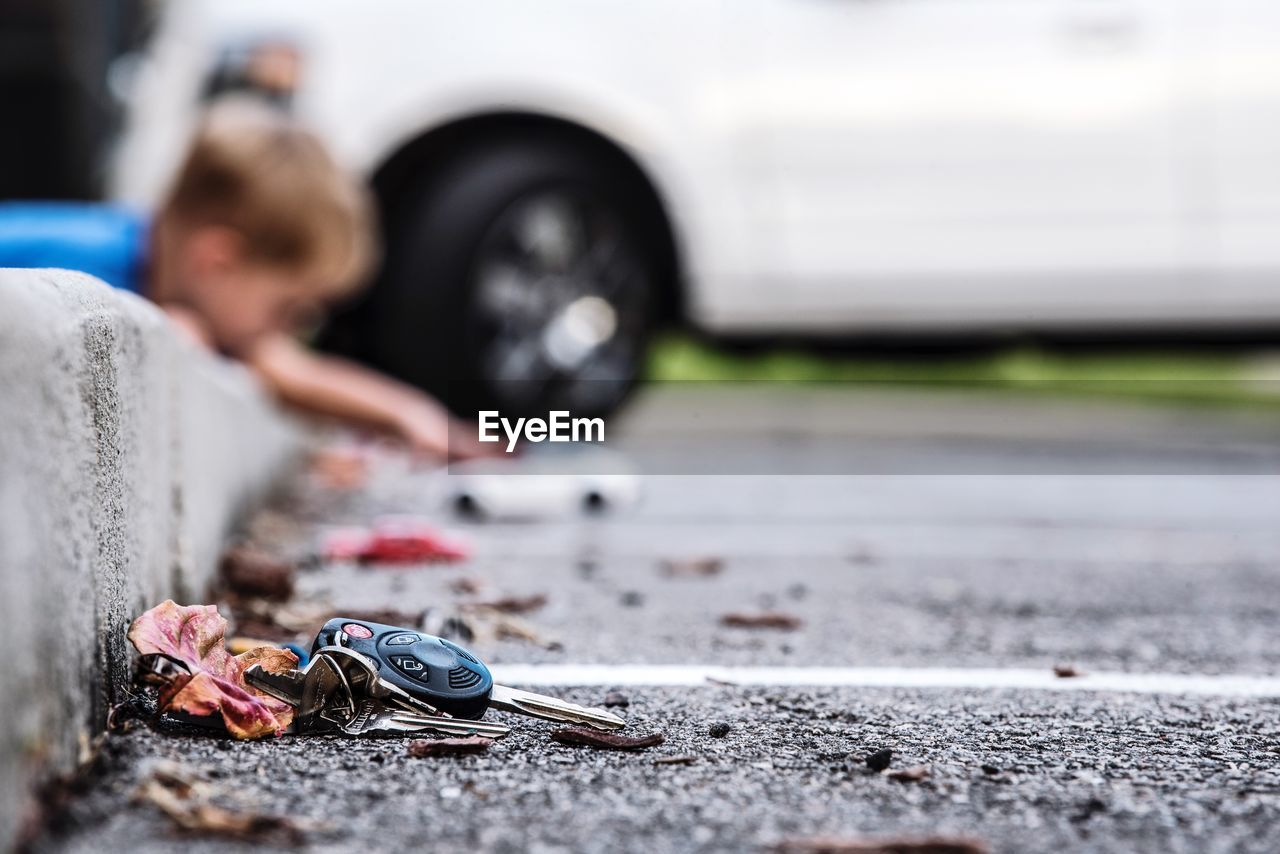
{"x":556,"y":176}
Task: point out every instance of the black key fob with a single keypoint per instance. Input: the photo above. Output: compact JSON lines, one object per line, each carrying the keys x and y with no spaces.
{"x":431,"y":669}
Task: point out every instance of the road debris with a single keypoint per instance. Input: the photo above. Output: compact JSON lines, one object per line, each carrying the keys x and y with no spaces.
{"x":762,"y":620}
{"x":879,"y":760}
{"x":692,"y":567}
{"x":394,"y":541}
{"x":188,"y":802}
{"x":515,"y":604}
{"x":914,"y":774}
{"x":686,"y":759}
{"x":250,"y":572}
{"x":193,"y":638}
{"x":616,"y":698}
{"x":1067,"y":671}
{"x":907,"y":845}
{"x":422,"y":748}
{"x":606,"y":740}
{"x":719,"y":729}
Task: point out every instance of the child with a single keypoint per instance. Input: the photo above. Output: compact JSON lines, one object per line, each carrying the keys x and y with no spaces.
{"x":260,"y":231}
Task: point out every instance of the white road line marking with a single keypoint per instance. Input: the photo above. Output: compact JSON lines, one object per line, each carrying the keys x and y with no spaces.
{"x":683,"y":675}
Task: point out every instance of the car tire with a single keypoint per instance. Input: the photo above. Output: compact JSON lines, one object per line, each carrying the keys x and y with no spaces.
{"x":518,"y":277}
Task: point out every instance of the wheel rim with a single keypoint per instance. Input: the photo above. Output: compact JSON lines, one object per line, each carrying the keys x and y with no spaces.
{"x":559,"y":302}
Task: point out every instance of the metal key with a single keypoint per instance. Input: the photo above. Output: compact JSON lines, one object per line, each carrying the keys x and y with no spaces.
{"x":374,"y":716}
{"x":446,"y":677}
{"x":340,"y":691}
{"x":383,"y":706}
{"x":551,"y":708}
{"x":319,"y":693}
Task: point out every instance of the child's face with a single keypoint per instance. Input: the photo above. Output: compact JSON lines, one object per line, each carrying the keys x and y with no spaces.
{"x":254,"y":301}
{"x":240,"y":299}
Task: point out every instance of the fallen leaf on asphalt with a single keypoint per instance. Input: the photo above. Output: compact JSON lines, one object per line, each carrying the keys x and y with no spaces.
{"x":616,"y":698}
{"x":606,"y":740}
{"x":675,"y":760}
{"x":1067,"y":671}
{"x":879,"y":760}
{"x":249,"y":572}
{"x":914,"y":774}
{"x":921,"y":845}
{"x":467,"y":586}
{"x":692,"y":567}
{"x":295,"y":620}
{"x":387,"y":616}
{"x":187,"y":801}
{"x":762,"y":620}
{"x":423,"y":748}
{"x":195,"y":636}
{"x":488,"y":621}
{"x":516,"y":604}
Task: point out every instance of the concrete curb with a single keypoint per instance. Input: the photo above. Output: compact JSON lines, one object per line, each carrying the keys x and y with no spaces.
{"x":126,"y":456}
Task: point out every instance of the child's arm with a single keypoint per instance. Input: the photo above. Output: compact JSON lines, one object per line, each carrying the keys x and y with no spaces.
{"x":325,"y":385}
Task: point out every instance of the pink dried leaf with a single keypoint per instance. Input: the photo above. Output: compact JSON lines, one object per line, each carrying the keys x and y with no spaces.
{"x":195,"y":635}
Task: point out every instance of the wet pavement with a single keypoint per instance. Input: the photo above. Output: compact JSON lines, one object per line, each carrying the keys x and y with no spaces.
{"x":1176,"y":572}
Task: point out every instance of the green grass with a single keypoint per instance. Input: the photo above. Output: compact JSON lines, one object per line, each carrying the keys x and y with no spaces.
{"x":1211,"y":377}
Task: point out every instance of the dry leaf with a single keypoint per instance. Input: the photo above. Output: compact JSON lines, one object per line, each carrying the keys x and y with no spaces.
{"x":606,"y":740}
{"x":675,"y":760}
{"x":914,"y":774}
{"x":922,"y":845}
{"x":185,"y":800}
{"x":762,"y":620}
{"x":425,"y":747}
{"x":516,"y":604}
{"x":1066,"y":671}
{"x":195,"y":635}
{"x":467,"y":586}
{"x":249,"y":572}
{"x":692,"y":567}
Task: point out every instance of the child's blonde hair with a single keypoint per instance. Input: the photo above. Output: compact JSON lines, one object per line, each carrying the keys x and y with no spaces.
{"x":252,"y":169}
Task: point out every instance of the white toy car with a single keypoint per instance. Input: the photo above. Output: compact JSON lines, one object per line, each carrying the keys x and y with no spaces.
{"x":541,"y":485}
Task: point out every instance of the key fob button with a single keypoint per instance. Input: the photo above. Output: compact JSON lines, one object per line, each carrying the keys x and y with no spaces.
{"x":403,"y":639}
{"x":409,"y":666}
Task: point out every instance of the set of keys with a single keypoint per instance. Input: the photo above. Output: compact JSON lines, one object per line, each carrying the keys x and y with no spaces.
{"x":368,"y":678}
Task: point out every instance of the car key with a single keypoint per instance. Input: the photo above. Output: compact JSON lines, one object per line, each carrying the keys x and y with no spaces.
{"x":319,"y":692}
{"x":340,"y":691}
{"x":381,"y":705}
{"x":447,"y":677}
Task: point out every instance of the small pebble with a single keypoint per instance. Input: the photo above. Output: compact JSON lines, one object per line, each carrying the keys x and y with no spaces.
{"x":719,"y":729}
{"x":616,"y":698}
{"x":632,"y":599}
{"x":879,"y":760}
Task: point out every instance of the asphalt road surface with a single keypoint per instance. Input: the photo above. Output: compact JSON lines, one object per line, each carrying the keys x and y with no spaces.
{"x":973,"y":547}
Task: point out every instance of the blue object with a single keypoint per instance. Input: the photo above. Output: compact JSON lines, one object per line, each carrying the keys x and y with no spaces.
{"x":106,"y":241}
{"x":431,"y":669}
{"x":301,"y":651}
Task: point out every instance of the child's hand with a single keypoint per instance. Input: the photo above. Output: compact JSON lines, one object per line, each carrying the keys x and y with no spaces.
{"x":431,"y":430}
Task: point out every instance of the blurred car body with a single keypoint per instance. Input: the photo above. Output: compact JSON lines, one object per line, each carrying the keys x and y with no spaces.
{"x":813,"y":167}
